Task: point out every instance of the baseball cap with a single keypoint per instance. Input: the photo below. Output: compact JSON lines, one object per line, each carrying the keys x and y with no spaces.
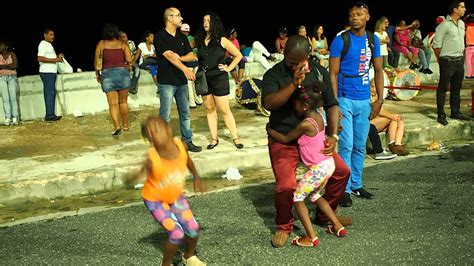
{"x":185,"y":27}
{"x":440,"y":19}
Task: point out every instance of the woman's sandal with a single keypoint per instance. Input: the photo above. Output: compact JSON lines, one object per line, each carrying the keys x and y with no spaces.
{"x":116,"y":132}
{"x":340,"y":233}
{"x":296,"y":242}
{"x":212,"y":146}
{"x":239,"y":145}
{"x":125,"y":128}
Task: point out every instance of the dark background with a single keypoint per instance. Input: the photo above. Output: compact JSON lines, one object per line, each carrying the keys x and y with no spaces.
{"x":78,"y":25}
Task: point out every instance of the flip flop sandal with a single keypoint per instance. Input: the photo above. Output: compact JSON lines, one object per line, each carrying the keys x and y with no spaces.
{"x":340,"y":233}
{"x":296,"y":242}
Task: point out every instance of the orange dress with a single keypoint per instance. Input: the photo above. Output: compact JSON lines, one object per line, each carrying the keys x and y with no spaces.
{"x":166,"y":179}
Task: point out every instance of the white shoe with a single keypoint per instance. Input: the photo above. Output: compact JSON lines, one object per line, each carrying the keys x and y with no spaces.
{"x":7,"y":121}
{"x":193,"y":261}
{"x":14,"y":121}
{"x":385,"y":155}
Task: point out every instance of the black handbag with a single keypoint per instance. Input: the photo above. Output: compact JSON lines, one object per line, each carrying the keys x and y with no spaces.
{"x":200,"y":84}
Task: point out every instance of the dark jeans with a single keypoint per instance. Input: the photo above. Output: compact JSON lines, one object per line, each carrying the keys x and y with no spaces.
{"x":451,"y":71}
{"x":49,"y":92}
{"x":393,"y":57}
{"x":135,"y":75}
{"x":375,"y":139}
{"x":285,"y":159}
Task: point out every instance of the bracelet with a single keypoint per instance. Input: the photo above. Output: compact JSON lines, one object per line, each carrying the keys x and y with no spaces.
{"x":380,"y":101}
{"x":335,"y":136}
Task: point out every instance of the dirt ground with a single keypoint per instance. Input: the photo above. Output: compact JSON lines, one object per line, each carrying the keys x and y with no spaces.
{"x":90,"y":132}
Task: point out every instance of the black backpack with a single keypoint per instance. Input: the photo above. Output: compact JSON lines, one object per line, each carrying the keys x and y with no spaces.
{"x":347,"y":44}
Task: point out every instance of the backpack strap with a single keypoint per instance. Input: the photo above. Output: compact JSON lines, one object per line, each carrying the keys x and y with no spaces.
{"x":346,"y":44}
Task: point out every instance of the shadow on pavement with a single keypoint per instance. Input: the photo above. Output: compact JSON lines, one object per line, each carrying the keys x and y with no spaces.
{"x":262,"y":198}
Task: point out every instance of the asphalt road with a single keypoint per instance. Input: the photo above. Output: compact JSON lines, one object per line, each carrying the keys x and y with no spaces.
{"x":421,"y":214}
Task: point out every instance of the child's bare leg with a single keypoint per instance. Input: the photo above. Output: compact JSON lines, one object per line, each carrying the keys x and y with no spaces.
{"x":302,"y":212}
{"x":326,"y":208}
{"x":170,"y":251}
{"x":190,"y":246}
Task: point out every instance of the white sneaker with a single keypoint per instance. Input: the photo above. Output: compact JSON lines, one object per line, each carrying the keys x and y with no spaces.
{"x":193,"y":261}
{"x":14,"y":121}
{"x":385,"y":155}
{"x":7,"y":121}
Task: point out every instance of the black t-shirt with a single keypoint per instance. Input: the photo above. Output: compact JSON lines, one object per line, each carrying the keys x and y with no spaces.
{"x":167,"y":72}
{"x":285,"y":119}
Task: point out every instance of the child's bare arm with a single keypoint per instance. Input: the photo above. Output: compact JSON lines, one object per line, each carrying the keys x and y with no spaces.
{"x":292,"y":135}
{"x":197,"y":183}
{"x":144,"y":169}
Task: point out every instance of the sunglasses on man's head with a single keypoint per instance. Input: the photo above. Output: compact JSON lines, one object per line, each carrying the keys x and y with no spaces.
{"x":361,"y":5}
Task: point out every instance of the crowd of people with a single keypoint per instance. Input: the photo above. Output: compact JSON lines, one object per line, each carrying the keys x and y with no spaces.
{"x":320,"y":97}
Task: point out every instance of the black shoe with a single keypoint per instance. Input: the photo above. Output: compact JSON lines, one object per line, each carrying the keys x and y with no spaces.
{"x":116,"y":132}
{"x":346,"y":201}
{"x":442,"y":120}
{"x":212,"y":146}
{"x":460,"y":116}
{"x":193,"y":148}
{"x":362,"y":193}
{"x":53,"y":118}
{"x":238,"y":146}
{"x":428,"y":71}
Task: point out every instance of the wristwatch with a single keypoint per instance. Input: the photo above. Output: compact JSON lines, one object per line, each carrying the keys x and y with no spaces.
{"x":335,"y":136}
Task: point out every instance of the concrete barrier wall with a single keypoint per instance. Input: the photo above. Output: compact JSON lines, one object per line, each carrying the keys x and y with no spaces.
{"x":81,"y":93}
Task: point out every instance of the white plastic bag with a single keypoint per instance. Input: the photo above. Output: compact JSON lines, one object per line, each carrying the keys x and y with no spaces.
{"x":232,"y":174}
{"x":64,"y":67}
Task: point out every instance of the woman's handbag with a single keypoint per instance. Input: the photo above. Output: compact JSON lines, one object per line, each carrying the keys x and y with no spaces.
{"x":200,"y":84}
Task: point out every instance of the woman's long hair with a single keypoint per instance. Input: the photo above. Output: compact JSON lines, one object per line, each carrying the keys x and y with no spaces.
{"x":216,"y":30}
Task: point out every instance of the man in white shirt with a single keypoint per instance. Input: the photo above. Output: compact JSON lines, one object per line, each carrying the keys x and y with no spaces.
{"x":48,"y":60}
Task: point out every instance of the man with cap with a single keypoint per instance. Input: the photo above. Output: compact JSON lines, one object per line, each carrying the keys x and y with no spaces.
{"x":193,"y":97}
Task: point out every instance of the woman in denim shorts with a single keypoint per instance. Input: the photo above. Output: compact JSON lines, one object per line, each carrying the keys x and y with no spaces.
{"x":112,"y":58}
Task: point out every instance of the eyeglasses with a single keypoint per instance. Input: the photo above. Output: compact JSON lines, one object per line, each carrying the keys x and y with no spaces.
{"x":361,"y":5}
{"x":177,"y":15}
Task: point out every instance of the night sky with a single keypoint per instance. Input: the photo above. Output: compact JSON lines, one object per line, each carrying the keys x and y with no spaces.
{"x":78,"y":25}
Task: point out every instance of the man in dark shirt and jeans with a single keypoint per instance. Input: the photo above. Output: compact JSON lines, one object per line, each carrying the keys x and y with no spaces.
{"x":172,"y":49}
{"x":278,"y":89}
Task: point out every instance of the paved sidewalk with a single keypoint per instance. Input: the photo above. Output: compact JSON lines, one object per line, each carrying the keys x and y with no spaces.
{"x":77,"y":156}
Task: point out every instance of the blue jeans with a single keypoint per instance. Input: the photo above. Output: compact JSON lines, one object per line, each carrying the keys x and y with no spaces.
{"x":352,"y":139}
{"x":9,"y":90}
{"x":49,"y":92}
{"x":181,"y":94}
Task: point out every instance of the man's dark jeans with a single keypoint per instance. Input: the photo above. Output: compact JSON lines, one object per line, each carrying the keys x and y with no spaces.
{"x":49,"y":92}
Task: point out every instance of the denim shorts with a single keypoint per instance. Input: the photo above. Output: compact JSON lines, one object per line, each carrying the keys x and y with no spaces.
{"x":115,"y":79}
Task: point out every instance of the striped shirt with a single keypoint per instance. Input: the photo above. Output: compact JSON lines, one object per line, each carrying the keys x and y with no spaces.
{"x":450,"y":38}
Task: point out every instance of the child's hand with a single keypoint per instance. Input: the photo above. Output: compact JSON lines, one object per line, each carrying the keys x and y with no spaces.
{"x":198,"y":186}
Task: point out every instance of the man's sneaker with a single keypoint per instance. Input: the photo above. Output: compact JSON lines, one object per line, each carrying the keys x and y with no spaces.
{"x":14,"y":121}
{"x":193,"y":261}
{"x":362,"y":193}
{"x":7,"y":121}
{"x":385,"y":155}
{"x":346,"y":201}
{"x":53,"y":118}
{"x":193,"y":148}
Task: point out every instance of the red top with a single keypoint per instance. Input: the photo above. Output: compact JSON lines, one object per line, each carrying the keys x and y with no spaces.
{"x":113,"y":58}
